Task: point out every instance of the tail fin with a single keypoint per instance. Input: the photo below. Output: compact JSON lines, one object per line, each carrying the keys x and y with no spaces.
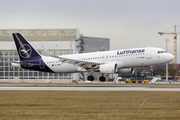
{"x":24,"y":49}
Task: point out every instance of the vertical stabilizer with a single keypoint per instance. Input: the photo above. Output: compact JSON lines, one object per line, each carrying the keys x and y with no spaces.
{"x":24,"y":49}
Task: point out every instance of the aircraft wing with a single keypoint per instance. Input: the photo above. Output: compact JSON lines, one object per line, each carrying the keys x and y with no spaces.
{"x":84,"y":64}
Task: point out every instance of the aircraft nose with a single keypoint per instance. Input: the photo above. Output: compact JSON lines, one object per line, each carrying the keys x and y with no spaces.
{"x":170,"y":57}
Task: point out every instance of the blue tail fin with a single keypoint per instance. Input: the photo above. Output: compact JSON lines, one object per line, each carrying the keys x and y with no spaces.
{"x":24,"y":49}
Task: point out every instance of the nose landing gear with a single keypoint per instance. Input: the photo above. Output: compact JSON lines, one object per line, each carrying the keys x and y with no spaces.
{"x":152,"y":71}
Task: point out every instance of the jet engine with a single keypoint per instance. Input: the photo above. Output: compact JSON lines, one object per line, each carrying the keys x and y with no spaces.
{"x":126,"y":71}
{"x":111,"y":67}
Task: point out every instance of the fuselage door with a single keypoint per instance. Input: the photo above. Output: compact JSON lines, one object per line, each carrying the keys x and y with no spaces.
{"x":148,"y":53}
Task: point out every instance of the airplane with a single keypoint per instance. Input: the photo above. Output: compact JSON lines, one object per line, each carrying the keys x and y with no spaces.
{"x":106,"y":62}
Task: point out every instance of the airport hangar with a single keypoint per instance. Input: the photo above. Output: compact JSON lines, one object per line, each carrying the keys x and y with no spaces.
{"x":57,"y":42}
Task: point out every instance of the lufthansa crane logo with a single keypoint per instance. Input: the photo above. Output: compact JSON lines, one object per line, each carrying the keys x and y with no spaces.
{"x":25,"y":51}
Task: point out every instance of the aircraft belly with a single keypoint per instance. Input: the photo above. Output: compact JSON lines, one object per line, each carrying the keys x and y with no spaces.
{"x":64,"y":68}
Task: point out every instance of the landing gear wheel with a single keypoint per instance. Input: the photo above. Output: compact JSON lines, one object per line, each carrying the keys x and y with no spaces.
{"x":152,"y":71}
{"x":152,"y":74}
{"x":90,"y":78}
{"x":102,"y":79}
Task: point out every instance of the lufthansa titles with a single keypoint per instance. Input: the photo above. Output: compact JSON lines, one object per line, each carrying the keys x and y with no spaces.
{"x":130,"y":51}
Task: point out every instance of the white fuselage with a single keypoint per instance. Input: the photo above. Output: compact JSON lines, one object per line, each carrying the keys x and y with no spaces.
{"x":130,"y":57}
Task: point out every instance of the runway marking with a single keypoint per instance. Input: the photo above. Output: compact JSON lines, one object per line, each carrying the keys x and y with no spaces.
{"x":143,"y":102}
{"x":91,"y":88}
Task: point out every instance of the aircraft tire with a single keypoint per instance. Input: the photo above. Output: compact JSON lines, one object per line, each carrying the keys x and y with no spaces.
{"x":152,"y":74}
{"x":102,"y":79}
{"x":90,"y":78}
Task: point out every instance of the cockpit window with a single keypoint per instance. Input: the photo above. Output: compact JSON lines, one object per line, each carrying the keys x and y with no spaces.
{"x":159,"y":52}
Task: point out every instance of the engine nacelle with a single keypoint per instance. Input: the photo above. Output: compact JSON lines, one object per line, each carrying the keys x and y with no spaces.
{"x":111,"y":67}
{"x":108,"y":68}
{"x":126,"y":71}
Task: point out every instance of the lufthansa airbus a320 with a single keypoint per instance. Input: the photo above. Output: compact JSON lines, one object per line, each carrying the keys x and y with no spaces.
{"x":106,"y":62}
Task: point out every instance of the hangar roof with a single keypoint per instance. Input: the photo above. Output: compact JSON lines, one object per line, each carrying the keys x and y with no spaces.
{"x":41,"y":34}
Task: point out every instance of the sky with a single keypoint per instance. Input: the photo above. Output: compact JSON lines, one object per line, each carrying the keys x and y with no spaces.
{"x":128,"y":23}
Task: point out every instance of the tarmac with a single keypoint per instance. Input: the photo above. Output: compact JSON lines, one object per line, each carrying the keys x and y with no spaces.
{"x":89,"y":88}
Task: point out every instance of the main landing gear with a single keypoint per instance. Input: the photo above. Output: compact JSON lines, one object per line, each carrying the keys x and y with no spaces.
{"x":102,"y":79}
{"x":91,"y":78}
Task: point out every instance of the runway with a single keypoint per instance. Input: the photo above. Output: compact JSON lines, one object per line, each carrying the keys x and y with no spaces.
{"x":94,"y":88}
